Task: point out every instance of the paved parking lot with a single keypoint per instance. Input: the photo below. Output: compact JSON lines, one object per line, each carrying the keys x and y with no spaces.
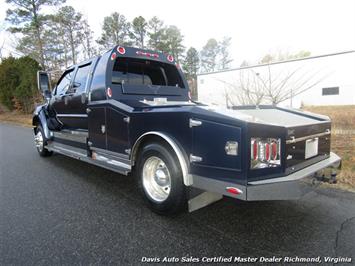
{"x":61,"y":211}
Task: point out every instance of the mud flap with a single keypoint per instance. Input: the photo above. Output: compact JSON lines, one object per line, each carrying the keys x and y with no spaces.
{"x":202,"y":199}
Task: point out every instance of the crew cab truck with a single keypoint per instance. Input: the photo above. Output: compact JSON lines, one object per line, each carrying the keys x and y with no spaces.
{"x":129,"y":110}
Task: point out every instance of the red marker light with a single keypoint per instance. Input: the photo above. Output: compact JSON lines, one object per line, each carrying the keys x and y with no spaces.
{"x":113,"y":56}
{"x":121,"y":50}
{"x":109,"y":92}
{"x":147,"y":54}
{"x":234,"y":190}
{"x":170,"y":58}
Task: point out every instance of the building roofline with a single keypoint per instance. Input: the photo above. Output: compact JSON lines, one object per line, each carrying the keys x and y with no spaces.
{"x":276,"y":63}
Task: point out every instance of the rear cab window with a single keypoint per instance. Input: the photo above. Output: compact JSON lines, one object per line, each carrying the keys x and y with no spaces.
{"x":147,"y":77}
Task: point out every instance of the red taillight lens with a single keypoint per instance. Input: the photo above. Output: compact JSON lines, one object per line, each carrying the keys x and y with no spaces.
{"x":265,"y":152}
{"x":255,"y":150}
{"x":273,"y":150}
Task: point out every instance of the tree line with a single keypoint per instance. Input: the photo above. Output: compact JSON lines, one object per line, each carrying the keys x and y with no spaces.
{"x":60,"y":39}
{"x":64,"y":37}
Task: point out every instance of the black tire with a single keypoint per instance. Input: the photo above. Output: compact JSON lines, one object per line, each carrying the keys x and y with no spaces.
{"x":42,"y":151}
{"x":176,"y":200}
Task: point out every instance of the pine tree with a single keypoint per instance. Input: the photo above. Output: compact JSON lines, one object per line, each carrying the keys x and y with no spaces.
{"x":87,"y":40}
{"x":139,"y":31}
{"x":209,"y":55}
{"x":156,"y":32}
{"x":224,"y":60}
{"x":115,"y":30}
{"x":191,"y":63}
{"x":71,"y":23}
{"x":26,"y":18}
{"x":172,"y":42}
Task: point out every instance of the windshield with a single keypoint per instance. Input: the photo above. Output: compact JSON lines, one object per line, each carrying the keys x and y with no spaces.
{"x":138,"y":72}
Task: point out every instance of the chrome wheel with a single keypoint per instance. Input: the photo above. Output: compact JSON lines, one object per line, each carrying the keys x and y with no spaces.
{"x":39,"y":141}
{"x":156,"y":179}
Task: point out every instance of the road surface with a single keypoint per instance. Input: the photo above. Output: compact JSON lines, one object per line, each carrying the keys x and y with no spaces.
{"x":58,"y":210}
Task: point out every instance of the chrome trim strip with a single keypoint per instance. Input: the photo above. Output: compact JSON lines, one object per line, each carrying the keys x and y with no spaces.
{"x":73,"y":115}
{"x":77,"y":136}
{"x":179,"y":153}
{"x":113,"y":102}
{"x":294,"y":140}
{"x":102,"y":158}
{"x":111,"y":153}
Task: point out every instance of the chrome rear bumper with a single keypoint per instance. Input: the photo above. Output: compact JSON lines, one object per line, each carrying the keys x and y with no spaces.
{"x":288,"y":187}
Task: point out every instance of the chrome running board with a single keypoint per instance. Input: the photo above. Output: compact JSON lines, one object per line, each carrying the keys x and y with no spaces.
{"x":97,"y":159}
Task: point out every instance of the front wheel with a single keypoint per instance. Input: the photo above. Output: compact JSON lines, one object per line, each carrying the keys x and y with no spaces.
{"x":160,"y":179}
{"x":41,"y":142}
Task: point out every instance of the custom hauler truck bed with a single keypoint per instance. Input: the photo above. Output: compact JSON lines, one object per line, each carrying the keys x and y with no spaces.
{"x":129,"y":111}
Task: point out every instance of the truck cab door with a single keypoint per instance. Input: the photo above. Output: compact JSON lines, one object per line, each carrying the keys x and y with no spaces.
{"x":59,"y":100}
{"x":77,"y":100}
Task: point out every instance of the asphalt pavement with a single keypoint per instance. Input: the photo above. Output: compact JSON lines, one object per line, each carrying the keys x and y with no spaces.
{"x":58,"y":210}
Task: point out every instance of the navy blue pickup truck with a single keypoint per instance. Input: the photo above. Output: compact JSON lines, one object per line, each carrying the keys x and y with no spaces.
{"x":129,"y":111}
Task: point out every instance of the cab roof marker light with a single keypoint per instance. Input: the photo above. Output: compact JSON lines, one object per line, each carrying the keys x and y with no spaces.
{"x":113,"y":56}
{"x":170,"y":58}
{"x":121,"y":50}
{"x":147,"y":54}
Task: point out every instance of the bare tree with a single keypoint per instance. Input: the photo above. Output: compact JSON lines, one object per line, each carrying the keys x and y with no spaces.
{"x":252,"y":88}
{"x":245,"y":90}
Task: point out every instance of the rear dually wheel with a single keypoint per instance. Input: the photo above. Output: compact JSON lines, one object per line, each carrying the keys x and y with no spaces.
{"x":160,"y":179}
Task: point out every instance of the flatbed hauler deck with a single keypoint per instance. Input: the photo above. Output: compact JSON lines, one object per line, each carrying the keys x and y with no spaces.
{"x":129,"y":110}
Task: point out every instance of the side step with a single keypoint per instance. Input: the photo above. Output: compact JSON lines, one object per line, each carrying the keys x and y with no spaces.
{"x":97,"y":159}
{"x":72,"y":135}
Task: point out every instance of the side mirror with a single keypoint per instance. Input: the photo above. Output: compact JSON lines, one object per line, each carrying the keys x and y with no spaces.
{"x":43,"y":82}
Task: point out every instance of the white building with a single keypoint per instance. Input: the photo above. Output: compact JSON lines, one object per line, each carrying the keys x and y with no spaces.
{"x":318,"y":80}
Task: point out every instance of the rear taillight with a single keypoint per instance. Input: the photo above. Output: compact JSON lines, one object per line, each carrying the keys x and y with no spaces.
{"x":265,"y":152}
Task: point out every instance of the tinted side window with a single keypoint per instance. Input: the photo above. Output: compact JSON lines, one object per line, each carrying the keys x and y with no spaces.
{"x":64,"y":83}
{"x":81,"y":78}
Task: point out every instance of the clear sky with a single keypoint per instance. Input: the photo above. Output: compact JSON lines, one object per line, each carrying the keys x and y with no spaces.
{"x":257,"y":27}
